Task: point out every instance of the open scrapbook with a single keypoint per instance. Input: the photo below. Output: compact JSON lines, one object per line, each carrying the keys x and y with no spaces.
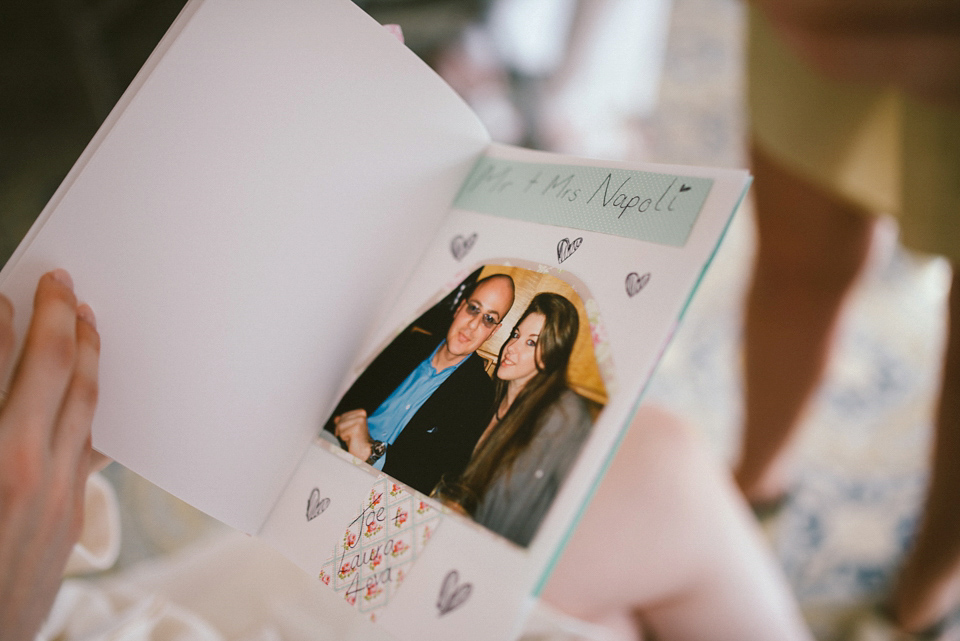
{"x":336,"y":316}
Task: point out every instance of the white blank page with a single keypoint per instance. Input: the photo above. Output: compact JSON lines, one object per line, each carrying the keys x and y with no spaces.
{"x":235,"y":225}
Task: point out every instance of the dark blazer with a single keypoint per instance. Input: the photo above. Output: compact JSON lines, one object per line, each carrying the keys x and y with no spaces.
{"x":440,"y":437}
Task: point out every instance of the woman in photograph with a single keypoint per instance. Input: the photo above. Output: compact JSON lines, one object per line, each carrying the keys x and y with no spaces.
{"x":536,"y":429}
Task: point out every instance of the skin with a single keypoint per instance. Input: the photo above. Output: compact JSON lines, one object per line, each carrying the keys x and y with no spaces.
{"x":45,"y":448}
{"x":521,"y":358}
{"x":667,"y":542}
{"x":520,"y":363}
{"x":465,"y":335}
{"x":812,"y":247}
{"x":811,"y":250}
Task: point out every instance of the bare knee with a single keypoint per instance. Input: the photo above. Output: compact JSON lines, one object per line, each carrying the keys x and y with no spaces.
{"x":641,"y":495}
{"x":661,"y":438}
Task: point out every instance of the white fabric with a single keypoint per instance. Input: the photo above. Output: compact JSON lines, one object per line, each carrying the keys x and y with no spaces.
{"x":229,"y":587}
{"x":99,"y":544}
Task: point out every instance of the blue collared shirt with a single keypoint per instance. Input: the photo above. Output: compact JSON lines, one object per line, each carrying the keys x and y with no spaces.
{"x":386,"y":423}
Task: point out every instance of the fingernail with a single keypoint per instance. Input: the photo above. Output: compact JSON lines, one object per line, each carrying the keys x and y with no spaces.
{"x":395,"y":30}
{"x":62,"y":277}
{"x":85,"y":312}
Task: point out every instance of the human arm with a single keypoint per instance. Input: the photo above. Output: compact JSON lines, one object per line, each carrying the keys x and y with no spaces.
{"x":45,"y":453}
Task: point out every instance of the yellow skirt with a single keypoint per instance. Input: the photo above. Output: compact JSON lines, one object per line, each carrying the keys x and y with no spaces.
{"x":874,"y":147}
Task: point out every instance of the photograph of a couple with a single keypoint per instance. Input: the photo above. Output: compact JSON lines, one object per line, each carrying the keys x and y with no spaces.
{"x":484,"y":401}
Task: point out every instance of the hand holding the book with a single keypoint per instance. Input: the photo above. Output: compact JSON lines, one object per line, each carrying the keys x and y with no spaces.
{"x":352,"y":429}
{"x":45,"y":453}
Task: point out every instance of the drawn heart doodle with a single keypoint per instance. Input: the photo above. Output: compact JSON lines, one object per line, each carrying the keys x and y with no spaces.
{"x":316,"y":506}
{"x":459,"y":246}
{"x":565,"y":248}
{"x":452,"y":595}
{"x":636,"y":282}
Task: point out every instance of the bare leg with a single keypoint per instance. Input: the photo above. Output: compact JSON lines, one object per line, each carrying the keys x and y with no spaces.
{"x":811,"y":248}
{"x":929,"y":584}
{"x":668,"y":539}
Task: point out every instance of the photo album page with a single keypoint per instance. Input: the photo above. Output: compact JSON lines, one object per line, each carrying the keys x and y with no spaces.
{"x":470,"y":433}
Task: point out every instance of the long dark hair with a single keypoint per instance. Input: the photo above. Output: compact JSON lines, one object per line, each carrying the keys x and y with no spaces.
{"x":497,"y":453}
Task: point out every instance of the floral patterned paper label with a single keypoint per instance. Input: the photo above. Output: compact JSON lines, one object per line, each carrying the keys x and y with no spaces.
{"x":380,"y":546}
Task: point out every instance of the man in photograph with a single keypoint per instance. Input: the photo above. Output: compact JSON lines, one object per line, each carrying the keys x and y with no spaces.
{"x":418,"y":410}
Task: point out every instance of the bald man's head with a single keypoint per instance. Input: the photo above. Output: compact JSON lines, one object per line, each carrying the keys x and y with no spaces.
{"x":479,"y":315}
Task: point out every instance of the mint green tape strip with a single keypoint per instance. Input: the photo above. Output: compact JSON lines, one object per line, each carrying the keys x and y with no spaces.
{"x":659,"y":208}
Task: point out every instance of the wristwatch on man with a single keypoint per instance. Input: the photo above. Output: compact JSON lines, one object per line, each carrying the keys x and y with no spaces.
{"x":377,"y":450}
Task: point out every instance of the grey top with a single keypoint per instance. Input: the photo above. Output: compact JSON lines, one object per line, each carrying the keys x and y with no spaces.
{"x":517,"y":500}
